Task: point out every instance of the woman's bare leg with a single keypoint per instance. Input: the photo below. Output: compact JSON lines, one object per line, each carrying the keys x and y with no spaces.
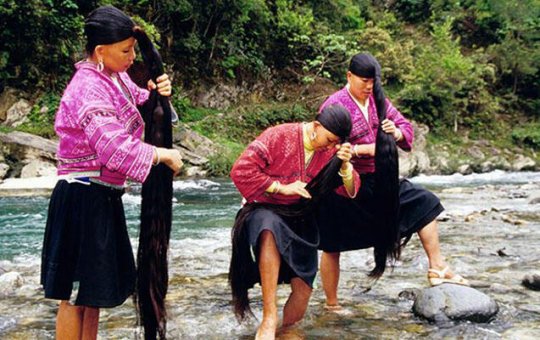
{"x":330,"y":277}
{"x":90,"y":323}
{"x":297,"y":303}
{"x":69,"y":321}
{"x":269,"y":262}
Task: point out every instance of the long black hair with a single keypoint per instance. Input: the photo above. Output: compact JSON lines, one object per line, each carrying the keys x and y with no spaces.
{"x":386,"y":188}
{"x":242,"y":269}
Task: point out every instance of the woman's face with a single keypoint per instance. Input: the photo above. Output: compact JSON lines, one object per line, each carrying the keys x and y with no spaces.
{"x":360,"y":87}
{"x":119,"y":56}
{"x":324,"y":139}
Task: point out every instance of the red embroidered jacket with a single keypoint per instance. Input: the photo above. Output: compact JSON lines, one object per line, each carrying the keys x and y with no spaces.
{"x":278,"y":154}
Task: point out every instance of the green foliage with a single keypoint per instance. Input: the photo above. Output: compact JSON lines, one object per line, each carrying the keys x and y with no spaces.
{"x":395,"y":57}
{"x":446,"y":86}
{"x":41,"y":118}
{"x":528,"y":135}
{"x":187,"y":112}
{"x":220,"y":164}
{"x":38,"y":42}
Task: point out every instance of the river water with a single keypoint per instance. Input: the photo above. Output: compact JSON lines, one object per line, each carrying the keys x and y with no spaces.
{"x":490,"y":233}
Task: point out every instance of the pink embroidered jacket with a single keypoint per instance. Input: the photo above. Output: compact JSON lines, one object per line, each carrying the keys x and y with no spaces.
{"x":364,"y":132}
{"x":278,"y":154}
{"x":100,"y":129}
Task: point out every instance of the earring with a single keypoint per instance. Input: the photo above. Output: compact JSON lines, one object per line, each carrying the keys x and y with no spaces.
{"x":313,"y":136}
{"x":100,"y":65}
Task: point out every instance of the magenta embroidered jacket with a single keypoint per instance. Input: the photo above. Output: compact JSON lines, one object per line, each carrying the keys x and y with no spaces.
{"x":100,"y":129}
{"x":278,"y":155}
{"x":364,"y":132}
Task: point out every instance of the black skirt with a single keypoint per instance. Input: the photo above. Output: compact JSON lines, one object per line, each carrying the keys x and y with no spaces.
{"x":349,"y":224}
{"x":86,"y":241}
{"x":296,"y":239}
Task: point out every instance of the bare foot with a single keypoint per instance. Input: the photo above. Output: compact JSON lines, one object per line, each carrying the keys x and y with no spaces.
{"x":267,"y":329}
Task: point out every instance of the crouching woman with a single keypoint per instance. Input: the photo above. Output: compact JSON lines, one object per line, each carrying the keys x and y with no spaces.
{"x":282,"y":175}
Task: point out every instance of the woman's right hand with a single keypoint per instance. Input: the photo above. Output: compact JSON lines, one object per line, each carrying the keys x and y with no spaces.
{"x":171,"y":158}
{"x":364,"y":150}
{"x":295,"y":188}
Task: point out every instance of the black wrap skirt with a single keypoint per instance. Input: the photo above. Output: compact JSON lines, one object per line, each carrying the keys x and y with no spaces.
{"x":296,"y":238}
{"x":349,"y":224}
{"x":86,"y":242}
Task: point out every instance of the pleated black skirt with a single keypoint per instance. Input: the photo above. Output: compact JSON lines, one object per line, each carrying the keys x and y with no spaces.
{"x":349,"y":224}
{"x":86,"y":241}
{"x":296,"y":240}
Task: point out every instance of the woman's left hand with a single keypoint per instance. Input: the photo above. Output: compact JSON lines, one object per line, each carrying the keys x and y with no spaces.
{"x":389,"y":127}
{"x":164,"y":86}
{"x":344,"y":152}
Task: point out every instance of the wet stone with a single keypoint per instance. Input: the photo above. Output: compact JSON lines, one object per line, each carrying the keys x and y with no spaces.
{"x":531,"y":281}
{"x":454,"y":302}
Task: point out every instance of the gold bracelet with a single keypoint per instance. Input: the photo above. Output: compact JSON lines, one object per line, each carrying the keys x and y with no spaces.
{"x":276,"y":188}
{"x":157,"y":156}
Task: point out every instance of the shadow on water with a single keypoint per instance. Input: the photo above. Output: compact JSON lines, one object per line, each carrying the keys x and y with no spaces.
{"x":490,"y":233}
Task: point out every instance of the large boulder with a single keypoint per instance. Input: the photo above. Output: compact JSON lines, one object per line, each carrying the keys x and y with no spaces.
{"x":523,"y":163}
{"x":38,"y":168}
{"x":454,"y":302}
{"x":7,"y":99}
{"x":22,"y":145}
{"x":194,"y":147}
{"x":17,"y":113}
{"x":416,"y":161}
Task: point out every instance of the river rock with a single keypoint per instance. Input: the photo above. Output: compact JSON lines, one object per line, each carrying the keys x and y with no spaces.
{"x":7,"y":99}
{"x":38,"y":168}
{"x":4,"y":168}
{"x":195,"y":171}
{"x":535,"y":200}
{"x":454,"y":302}
{"x":523,"y":163}
{"x":22,"y":145}
{"x":476,"y":153}
{"x":465,"y":169}
{"x":194,"y":147}
{"x":531,"y":281}
{"x":17,"y":113}
{"x":9,"y":282}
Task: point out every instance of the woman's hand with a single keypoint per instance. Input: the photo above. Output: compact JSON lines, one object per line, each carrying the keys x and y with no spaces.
{"x":170,"y":157}
{"x":164,"y":86}
{"x":344,"y":152}
{"x":364,"y":150}
{"x":295,"y":188}
{"x":389,"y":127}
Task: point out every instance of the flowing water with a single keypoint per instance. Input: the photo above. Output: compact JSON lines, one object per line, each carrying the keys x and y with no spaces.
{"x":490,"y":233}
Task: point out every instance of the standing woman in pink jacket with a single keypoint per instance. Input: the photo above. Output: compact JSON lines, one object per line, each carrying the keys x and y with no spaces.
{"x":387,"y":211}
{"x":86,"y":243}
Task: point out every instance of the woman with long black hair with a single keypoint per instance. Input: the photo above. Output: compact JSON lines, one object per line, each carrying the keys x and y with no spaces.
{"x":99,"y":128}
{"x":386,"y":211}
{"x":275,"y":235}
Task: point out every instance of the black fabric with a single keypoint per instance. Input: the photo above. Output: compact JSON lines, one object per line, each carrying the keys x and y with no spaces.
{"x":107,"y":25}
{"x":86,"y":240}
{"x":336,"y":119}
{"x":363,"y":65}
{"x":296,"y":240}
{"x":349,"y":224}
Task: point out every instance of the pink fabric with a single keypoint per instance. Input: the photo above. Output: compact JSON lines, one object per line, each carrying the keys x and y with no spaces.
{"x":100,"y":129}
{"x":278,"y":155}
{"x":364,"y":132}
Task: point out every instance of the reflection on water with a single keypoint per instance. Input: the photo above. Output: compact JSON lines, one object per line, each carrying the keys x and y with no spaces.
{"x":199,"y":297}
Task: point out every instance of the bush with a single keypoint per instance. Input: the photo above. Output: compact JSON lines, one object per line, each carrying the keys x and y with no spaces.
{"x":528,"y":135}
